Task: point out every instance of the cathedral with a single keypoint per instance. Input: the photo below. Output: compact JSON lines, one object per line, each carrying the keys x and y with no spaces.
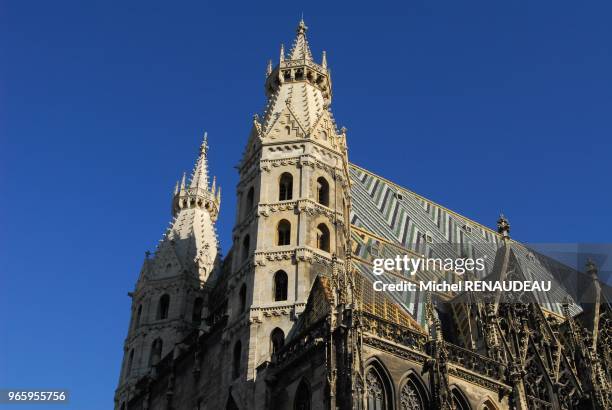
{"x":289,"y":318}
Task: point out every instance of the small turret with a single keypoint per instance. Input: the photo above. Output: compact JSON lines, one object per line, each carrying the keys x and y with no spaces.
{"x":503,"y":226}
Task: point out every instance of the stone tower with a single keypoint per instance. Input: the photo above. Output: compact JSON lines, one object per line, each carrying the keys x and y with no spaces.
{"x":171,"y":293}
{"x":292,"y":214}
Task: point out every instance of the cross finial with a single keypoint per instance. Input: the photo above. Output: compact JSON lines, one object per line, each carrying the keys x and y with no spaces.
{"x":204,"y":146}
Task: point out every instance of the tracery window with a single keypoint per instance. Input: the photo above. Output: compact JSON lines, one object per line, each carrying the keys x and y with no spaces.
{"x":410,"y":399}
{"x":375,"y":391}
{"x":459,"y":400}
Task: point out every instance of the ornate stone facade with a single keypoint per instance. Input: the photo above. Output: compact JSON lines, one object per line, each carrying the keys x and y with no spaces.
{"x":288,"y":319}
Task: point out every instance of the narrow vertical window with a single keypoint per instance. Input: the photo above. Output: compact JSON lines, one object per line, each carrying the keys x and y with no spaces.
{"x":242,"y":296}
{"x":277,"y":340}
{"x":156,"y":352}
{"x":375,"y":391}
{"x":196,"y":315}
{"x":302,"y":397}
{"x":236,"y":360}
{"x":163,"y":307}
{"x":323,"y":237}
{"x":130,"y":362}
{"x":138,"y":315}
{"x":284,"y":233}
{"x":322,"y":191}
{"x":246,"y":247}
{"x":250,"y":200}
{"x":285,"y":187}
{"x":280,"y":286}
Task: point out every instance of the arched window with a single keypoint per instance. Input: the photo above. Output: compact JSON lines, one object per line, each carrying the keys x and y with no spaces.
{"x":163,"y":307}
{"x":459,"y":400}
{"x":285,"y":187}
{"x":242,"y":296}
{"x":250,"y":199}
{"x":322,"y":191}
{"x":156,"y":352}
{"x":130,"y":363}
{"x":236,"y":360}
{"x":376,"y":391}
{"x":246,"y":247}
{"x":277,"y":340}
{"x":196,"y":315}
{"x":138,"y":315}
{"x":284,"y":233}
{"x":302,"y":397}
{"x":488,"y":405}
{"x":412,"y":397}
{"x":280,"y":286}
{"x":323,"y":237}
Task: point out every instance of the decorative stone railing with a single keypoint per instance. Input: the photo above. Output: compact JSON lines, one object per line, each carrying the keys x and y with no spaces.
{"x":474,"y":362}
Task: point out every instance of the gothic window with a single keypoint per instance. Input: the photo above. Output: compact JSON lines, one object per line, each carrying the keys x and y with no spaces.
{"x":284,"y":233}
{"x":236,"y":360}
{"x":156,"y":352}
{"x":285,"y":187}
{"x":250,"y":199}
{"x":242,"y":298}
{"x":375,"y":391}
{"x":163,"y":307}
{"x":302,"y":397}
{"x":138,"y":315}
{"x":277,"y":340}
{"x":410,"y":397}
{"x":459,"y":400}
{"x":322,"y":191}
{"x":196,"y":315}
{"x":246,"y":247}
{"x":280,"y":286}
{"x":488,"y":405}
{"x":323,"y":237}
{"x":130,"y":362}
{"x":323,"y":135}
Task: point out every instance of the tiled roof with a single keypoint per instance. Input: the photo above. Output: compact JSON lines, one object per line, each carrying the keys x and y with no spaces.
{"x":391,"y":220}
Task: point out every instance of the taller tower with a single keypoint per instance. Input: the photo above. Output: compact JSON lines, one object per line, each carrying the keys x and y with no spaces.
{"x":170,"y":298}
{"x":292,"y":217}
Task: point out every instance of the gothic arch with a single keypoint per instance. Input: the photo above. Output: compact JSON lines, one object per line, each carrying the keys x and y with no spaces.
{"x":323,"y":191}
{"x":156,"y":351}
{"x":283,"y":233}
{"x":459,"y":400}
{"x":163,"y":307}
{"x":487,"y":404}
{"x":413,"y":395}
{"x":302,"y":396}
{"x":323,"y":237}
{"x":277,"y":340}
{"x":281,"y":282}
{"x":378,"y":387}
{"x":285,"y":187}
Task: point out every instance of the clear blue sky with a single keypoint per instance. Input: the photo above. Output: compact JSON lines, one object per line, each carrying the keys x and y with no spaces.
{"x":481,"y":106}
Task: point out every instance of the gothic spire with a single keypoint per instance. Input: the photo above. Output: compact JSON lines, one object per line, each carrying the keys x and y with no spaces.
{"x":300,"y":49}
{"x":199,"y":177}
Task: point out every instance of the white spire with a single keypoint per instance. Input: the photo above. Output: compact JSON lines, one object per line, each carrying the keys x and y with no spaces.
{"x":199,"y":177}
{"x":300,"y":49}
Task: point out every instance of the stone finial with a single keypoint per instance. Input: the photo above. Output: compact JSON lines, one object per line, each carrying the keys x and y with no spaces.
{"x":324,"y":60}
{"x":204,"y":146}
{"x":269,"y":68}
{"x":591,"y":269}
{"x":282,"y":53}
{"x":301,"y":28}
{"x":183,"y":180}
{"x":503,"y":226}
